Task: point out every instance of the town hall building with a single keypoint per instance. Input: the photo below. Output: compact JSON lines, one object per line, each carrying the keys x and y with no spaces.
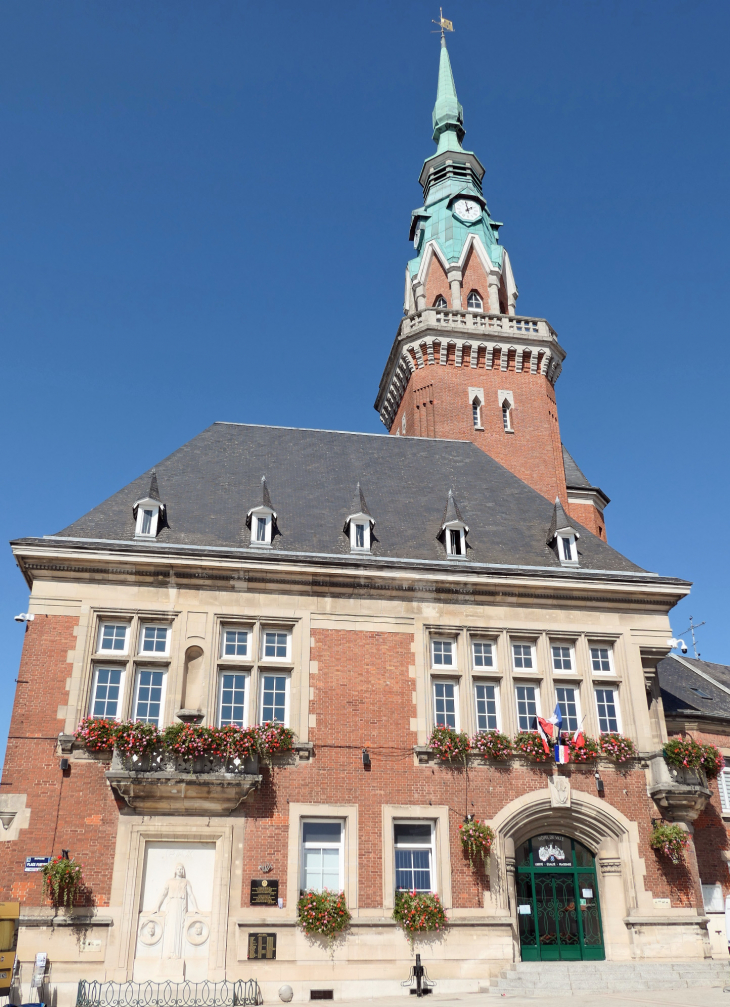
{"x":361,"y":590}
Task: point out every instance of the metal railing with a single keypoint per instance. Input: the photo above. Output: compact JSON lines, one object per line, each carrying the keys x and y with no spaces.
{"x":168,"y":994}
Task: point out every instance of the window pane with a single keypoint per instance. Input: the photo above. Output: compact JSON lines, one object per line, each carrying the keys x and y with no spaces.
{"x":412,"y":834}
{"x":106,"y":693}
{"x":275,"y":645}
{"x":526,"y":707}
{"x":483,"y":655}
{"x":600,"y":659}
{"x":567,"y":550}
{"x":113,"y":638}
{"x":321,"y":832}
{"x":154,"y":639}
{"x":235,"y":643}
{"x":233,"y":698}
{"x":360,"y":536}
{"x":561,"y":659}
{"x":149,"y":696}
{"x":486,"y":700}
{"x":442,"y":652}
{"x":522,"y":655}
{"x":260,"y":529}
{"x":413,"y":870}
{"x":273,"y":706}
{"x":146,"y":522}
{"x":321,"y":869}
{"x":568,"y":707}
{"x":607,"y":717}
{"x":445,"y":704}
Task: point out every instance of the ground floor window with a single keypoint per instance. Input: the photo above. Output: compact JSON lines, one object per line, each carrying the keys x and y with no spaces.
{"x":322,"y":855}
{"x":414,"y":843}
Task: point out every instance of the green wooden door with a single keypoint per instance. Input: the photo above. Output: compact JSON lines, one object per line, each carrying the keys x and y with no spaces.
{"x":558,"y":911}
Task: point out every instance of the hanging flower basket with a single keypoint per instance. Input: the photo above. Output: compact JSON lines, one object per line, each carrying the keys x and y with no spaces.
{"x":62,"y":880}
{"x":324,"y":913}
{"x":713,"y":761}
{"x":684,"y":753}
{"x":587,"y":752}
{"x":448,"y":744}
{"x":529,"y":744}
{"x":419,"y":912}
{"x":669,"y":840}
{"x":492,"y":745}
{"x":616,"y":747}
{"x":98,"y":735}
{"x":476,"y":839}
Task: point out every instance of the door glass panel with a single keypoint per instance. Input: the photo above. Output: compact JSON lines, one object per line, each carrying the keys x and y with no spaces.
{"x":525,"y":913}
{"x":567,"y":914}
{"x":589,"y":910}
{"x":583,"y":857}
{"x":546,"y":910}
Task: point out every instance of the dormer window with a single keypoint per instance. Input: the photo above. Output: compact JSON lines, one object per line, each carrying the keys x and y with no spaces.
{"x":567,"y":548}
{"x":563,"y":537}
{"x":359,"y":523}
{"x":474,"y":302}
{"x":455,"y":545}
{"x":149,"y":512}
{"x":454,"y":529}
{"x":262,"y":519}
{"x":440,"y":303}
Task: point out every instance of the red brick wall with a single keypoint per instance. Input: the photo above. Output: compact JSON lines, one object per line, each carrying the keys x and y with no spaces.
{"x":71,"y":810}
{"x":590,"y":517}
{"x":437,"y":283}
{"x":533,"y":452}
{"x":474,"y":278}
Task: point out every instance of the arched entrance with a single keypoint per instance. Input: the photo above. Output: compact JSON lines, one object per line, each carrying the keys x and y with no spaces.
{"x":558,"y":911}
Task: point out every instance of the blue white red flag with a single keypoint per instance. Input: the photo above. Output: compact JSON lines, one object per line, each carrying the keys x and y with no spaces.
{"x":562,"y":754}
{"x":557,"y":719}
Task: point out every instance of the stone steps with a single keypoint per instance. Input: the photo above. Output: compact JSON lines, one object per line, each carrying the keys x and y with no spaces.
{"x":609,"y":977}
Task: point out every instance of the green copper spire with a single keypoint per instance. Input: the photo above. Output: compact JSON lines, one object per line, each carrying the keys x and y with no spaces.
{"x":448,"y":115}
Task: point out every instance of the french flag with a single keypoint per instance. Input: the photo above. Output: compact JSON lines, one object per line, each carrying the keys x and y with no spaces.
{"x":562,"y":754}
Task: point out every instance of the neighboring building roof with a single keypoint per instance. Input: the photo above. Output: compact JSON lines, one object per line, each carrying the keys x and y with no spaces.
{"x":210,"y":484}
{"x":694,"y":688}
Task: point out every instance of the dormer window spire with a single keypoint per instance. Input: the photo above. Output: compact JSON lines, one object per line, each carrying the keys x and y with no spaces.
{"x":149,"y":512}
{"x":563,"y":537}
{"x":454,"y":529}
{"x":262,"y":519}
{"x":359,"y":523}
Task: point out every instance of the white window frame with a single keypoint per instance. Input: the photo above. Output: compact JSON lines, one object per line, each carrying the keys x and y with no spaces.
{"x":506,"y":400}
{"x":138,"y":673}
{"x":474,"y":293}
{"x":359,"y":522}
{"x":275,"y":673}
{"x":246,"y":658}
{"x":440,"y":307}
{"x":578,"y":711}
{"x":441,"y":640}
{"x":147,"y":506}
{"x":602,"y":646}
{"x":154,"y":653}
{"x":322,"y":846}
{"x":616,"y":703}
{"x":568,"y":537}
{"x":461,"y":531}
{"x":99,"y":639}
{"x":564,"y":645}
{"x":94,"y":684}
{"x":477,"y":684}
{"x":476,"y":413}
{"x":267,"y":516}
{"x":533,"y":657}
{"x":246,"y":720}
{"x":482,"y":669}
{"x":431,"y":847}
{"x":275,"y":660}
{"x":538,"y":706}
{"x":437,"y":681}
{"x":723,"y":789}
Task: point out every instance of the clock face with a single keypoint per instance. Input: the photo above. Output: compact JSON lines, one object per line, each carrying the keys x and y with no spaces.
{"x":467,"y":209}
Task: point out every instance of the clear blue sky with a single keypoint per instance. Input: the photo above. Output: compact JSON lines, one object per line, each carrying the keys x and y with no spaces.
{"x":205,"y":211}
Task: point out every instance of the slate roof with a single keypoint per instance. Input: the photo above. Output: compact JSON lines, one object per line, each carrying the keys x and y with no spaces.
{"x":573,"y":475}
{"x":209,"y":485}
{"x":685,"y":693}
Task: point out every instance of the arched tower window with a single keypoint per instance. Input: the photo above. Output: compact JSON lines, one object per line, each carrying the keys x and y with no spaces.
{"x":476,"y":409}
{"x":507,"y":415}
{"x":440,"y":302}
{"x":474,"y":302}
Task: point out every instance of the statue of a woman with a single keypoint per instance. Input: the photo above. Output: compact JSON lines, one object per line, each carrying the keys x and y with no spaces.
{"x":179,"y":893}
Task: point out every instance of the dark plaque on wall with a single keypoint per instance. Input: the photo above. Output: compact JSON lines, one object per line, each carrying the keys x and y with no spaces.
{"x":262,"y":945}
{"x":264,"y":892}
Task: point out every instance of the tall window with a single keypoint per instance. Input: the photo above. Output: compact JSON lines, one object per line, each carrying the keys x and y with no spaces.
{"x":442,"y":653}
{"x":723,"y":786}
{"x":322,"y":856}
{"x":568,"y":701}
{"x":233,"y":700}
{"x":607,"y":703}
{"x":522,"y":655}
{"x":507,"y":415}
{"x":260,"y":529}
{"x":444,"y":704}
{"x":482,"y":654}
{"x":235,"y":643}
{"x":562,"y":659}
{"x":526,"y":696}
{"x":148,"y":701}
{"x":476,"y":413}
{"x":146,"y":528}
{"x":486,"y":704}
{"x":274,"y":696}
{"x":414,"y":842}
{"x":113,"y":637}
{"x":154,"y":639}
{"x":359,"y":536}
{"x":440,"y":302}
{"x":106,"y":693}
{"x":474,"y":301}
{"x":601,"y":659}
{"x":566,"y":547}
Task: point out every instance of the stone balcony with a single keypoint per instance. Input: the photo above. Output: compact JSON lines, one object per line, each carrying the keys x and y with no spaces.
{"x":477,"y":322}
{"x":680,"y":794}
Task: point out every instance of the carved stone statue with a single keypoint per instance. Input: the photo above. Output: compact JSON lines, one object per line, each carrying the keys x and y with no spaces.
{"x":559,"y":792}
{"x":179,"y":895}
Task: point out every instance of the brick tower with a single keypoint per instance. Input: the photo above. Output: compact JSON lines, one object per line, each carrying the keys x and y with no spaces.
{"x":463,"y":364}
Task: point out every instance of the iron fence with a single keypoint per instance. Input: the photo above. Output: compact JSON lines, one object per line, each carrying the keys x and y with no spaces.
{"x":168,"y":994}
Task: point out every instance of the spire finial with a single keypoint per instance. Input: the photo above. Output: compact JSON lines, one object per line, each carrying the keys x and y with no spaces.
{"x":444,"y":25}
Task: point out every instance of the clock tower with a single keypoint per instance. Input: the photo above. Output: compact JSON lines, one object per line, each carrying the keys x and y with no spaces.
{"x":464,"y":365}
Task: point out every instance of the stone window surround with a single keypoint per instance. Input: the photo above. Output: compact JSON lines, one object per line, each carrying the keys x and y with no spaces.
{"x":438,"y":814}
{"x":462,"y":672}
{"x":346,"y":813}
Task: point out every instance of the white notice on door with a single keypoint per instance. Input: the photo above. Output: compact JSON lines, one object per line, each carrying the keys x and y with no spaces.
{"x":524,"y":910}
{"x":587,"y":893}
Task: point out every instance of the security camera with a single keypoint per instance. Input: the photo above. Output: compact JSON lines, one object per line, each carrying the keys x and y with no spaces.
{"x":677,"y":643}
{"x":683,"y":648}
{"x":24,"y":617}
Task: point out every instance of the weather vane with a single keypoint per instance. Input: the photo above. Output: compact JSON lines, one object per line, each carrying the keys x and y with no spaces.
{"x":443,"y":23}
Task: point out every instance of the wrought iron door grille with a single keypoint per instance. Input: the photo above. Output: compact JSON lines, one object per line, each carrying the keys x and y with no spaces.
{"x":168,"y":994}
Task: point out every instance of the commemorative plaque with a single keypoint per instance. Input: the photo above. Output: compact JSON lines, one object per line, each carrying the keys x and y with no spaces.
{"x":264,"y":892}
{"x":262,"y":945}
